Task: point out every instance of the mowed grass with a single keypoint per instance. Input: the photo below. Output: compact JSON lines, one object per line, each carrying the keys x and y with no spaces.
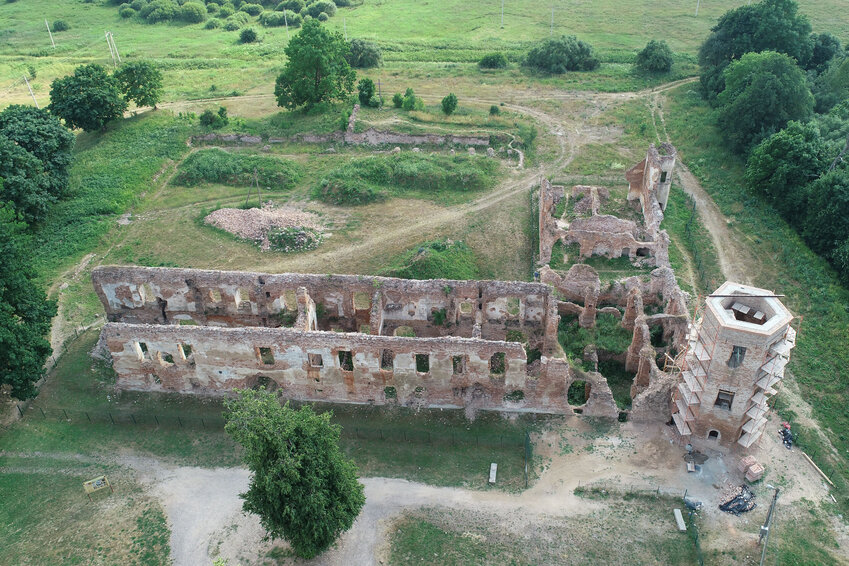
{"x":465,"y":538}
{"x":74,"y":414}
{"x":819,"y":361}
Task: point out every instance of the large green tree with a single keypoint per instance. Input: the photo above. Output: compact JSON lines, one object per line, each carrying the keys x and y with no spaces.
{"x":827,"y":225}
{"x":781,"y":166}
{"x":773,"y":25}
{"x":25,"y":312}
{"x":88,"y":99}
{"x":562,"y":54}
{"x":317,"y":69}
{"x":763,"y":91}
{"x":44,"y":136}
{"x":302,"y":487}
{"x":26,"y":187}
{"x":141,"y":82}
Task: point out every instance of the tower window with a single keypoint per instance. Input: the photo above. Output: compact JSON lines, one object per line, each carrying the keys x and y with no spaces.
{"x":738,"y":354}
{"x":724,"y":400}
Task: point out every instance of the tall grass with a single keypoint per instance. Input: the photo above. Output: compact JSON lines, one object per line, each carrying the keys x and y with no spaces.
{"x":435,"y":260}
{"x":236,"y":168}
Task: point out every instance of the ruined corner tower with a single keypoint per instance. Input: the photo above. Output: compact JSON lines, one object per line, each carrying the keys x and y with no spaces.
{"x":736,"y":356}
{"x":652,"y":176}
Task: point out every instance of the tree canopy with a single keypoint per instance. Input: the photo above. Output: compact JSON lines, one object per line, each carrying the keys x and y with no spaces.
{"x":317,"y":69}
{"x":763,"y":91}
{"x":655,"y":57}
{"x":364,"y":54}
{"x":782,"y":165}
{"x":25,"y":312}
{"x":773,"y":25}
{"x":562,"y":54}
{"x":302,"y":487}
{"x":44,"y":137}
{"x":827,"y":224}
{"x":88,"y":99}
{"x":141,"y":82}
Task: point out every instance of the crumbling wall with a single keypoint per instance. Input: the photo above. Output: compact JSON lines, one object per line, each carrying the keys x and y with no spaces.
{"x":549,"y":196}
{"x":346,"y":302}
{"x":652,"y":177}
{"x":369,"y":137}
{"x":337,"y":367}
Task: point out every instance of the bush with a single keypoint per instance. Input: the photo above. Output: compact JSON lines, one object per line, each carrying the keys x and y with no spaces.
{"x":212,"y":8}
{"x":411,"y":101}
{"x":252,"y":9}
{"x":493,"y":61}
{"x":397,"y":100}
{"x":193,"y":12}
{"x":232,"y":25}
{"x":126,"y":12}
{"x":160,"y":11}
{"x":562,"y":54}
{"x":494,"y":110}
{"x":279,"y":19}
{"x":61,"y":25}
{"x":248,"y":35}
{"x":364,"y":54}
{"x":449,"y":104}
{"x":323,"y":17}
{"x":365,"y":91}
{"x":214,"y":120}
{"x":655,"y":57}
{"x":213,"y":24}
{"x":321,"y":7}
{"x":345,"y":190}
{"x":291,"y":5}
{"x":138,"y":4}
{"x":226,"y":11}
{"x":219,"y":166}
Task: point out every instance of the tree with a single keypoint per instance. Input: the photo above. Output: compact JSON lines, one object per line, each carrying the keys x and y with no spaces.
{"x":302,"y":487}
{"x":827,"y":223}
{"x":364,"y":54}
{"x":655,"y":57}
{"x":411,"y":101}
{"x":317,"y":70}
{"x":763,"y":91}
{"x":365,"y":91}
{"x":493,"y":61}
{"x":562,"y":54}
{"x":781,"y":166}
{"x":26,"y":187}
{"x":43,"y":136}
{"x":88,"y":99}
{"x":25,"y":312}
{"x":141,"y":82}
{"x":449,"y":104}
{"x":825,"y":47}
{"x":772,"y":25}
{"x":832,"y":85}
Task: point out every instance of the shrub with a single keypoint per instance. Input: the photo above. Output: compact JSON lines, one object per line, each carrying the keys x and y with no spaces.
{"x":219,"y":166}
{"x":562,"y":54}
{"x":655,"y":57}
{"x":252,"y":9}
{"x":159,"y":11}
{"x":213,"y":23}
{"x":494,"y":110}
{"x":411,"y":101}
{"x":213,"y":120}
{"x":345,"y":190}
{"x":232,"y":25}
{"x":226,"y":11}
{"x":397,"y":100}
{"x":61,"y":25}
{"x":279,"y":19}
{"x":212,"y":8}
{"x":193,"y":12}
{"x":449,"y":104}
{"x":291,"y":5}
{"x":364,"y":54}
{"x":138,"y":4}
{"x":248,"y":35}
{"x":365,"y":91}
{"x":323,"y":17}
{"x":126,"y":12}
{"x":493,"y":61}
{"x":321,"y":6}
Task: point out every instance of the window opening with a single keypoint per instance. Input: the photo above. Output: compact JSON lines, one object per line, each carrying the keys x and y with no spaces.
{"x":346,"y":360}
{"x":266,"y":356}
{"x":387,"y":360}
{"x":316,"y":360}
{"x":738,"y":354}
{"x":724,"y":400}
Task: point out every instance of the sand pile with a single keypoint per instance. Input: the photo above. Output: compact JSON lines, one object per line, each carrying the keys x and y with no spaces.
{"x":256,"y":224}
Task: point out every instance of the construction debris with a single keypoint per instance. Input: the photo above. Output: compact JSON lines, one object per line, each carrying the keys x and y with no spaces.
{"x":743,"y":501}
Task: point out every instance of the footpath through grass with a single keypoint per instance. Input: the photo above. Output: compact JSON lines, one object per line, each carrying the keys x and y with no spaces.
{"x":812,"y":289}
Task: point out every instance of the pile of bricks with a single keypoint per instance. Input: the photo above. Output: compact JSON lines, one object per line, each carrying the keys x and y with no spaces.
{"x":749,"y":466}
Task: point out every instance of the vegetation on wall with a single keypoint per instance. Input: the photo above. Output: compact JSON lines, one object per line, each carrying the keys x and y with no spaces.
{"x":439,"y":259}
{"x":236,"y":168}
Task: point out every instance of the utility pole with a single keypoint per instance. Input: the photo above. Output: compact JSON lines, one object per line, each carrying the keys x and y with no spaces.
{"x":764,"y":536}
{"x":111,"y":52}
{"x":50,"y":33}
{"x":345,"y":27}
{"x":502,"y":14}
{"x":114,"y":46}
{"x":697,"y":7}
{"x":286,"y":21}
{"x":30,"y":92}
